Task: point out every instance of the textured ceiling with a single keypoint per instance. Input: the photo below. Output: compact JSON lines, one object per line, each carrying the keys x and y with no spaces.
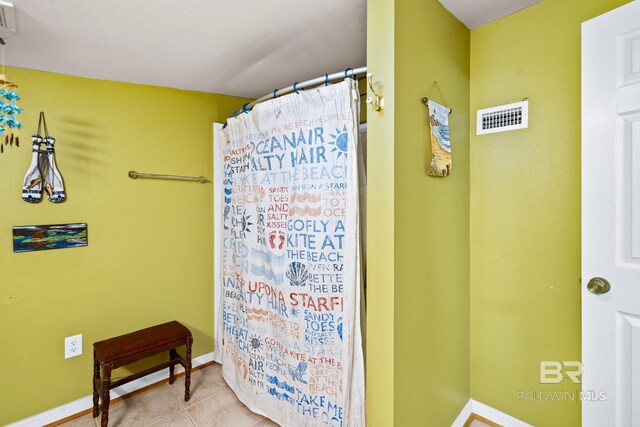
{"x":244,"y":48}
{"x":474,"y":13}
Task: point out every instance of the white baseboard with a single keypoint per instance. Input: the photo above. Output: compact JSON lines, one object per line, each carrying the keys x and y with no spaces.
{"x":486,"y":411}
{"x":86,"y":402}
{"x":464,"y":415}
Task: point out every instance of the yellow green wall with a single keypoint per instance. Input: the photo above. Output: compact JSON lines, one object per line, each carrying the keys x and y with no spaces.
{"x":525,"y":208}
{"x":149,"y":258}
{"x":380,"y":218}
{"x":418,"y":226}
{"x":507,"y":220}
{"x":431,"y":219}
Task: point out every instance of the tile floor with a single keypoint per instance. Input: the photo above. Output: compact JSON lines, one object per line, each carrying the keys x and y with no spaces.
{"x":212,"y":404}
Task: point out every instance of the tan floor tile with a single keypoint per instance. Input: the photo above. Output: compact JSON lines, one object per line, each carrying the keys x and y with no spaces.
{"x":83,"y":421}
{"x":265,"y":422}
{"x":478,"y":423}
{"x":222,"y":410}
{"x":181,"y":419}
{"x":144,"y":409}
{"x":204,"y":383}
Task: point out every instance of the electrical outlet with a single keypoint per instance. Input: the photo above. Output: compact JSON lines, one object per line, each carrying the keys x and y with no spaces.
{"x":73,"y":346}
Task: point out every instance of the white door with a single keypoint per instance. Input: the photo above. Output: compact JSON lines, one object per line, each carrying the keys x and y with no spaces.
{"x":611,"y":218}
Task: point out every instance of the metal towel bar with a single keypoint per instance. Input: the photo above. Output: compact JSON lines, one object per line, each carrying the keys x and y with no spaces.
{"x":136,"y":175}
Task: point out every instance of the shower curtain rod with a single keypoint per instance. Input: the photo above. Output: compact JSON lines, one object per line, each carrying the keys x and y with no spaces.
{"x":326,"y":78}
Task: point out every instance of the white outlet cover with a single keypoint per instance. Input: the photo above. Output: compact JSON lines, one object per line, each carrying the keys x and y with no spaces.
{"x":73,"y":346}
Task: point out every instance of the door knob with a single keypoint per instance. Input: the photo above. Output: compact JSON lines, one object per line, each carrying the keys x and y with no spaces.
{"x":598,"y":286}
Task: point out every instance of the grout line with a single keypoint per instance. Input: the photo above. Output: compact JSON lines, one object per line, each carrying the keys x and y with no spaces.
{"x":180,"y":397}
{"x":168,"y":416}
{"x":203,"y":401}
{"x":200,"y":401}
{"x":133,"y":409}
{"x":235,"y":398}
{"x":197,"y":404}
{"x":183,"y":408}
{"x":126,"y":396}
{"x":175,"y":395}
{"x":189,"y":416}
{"x":193,"y":403}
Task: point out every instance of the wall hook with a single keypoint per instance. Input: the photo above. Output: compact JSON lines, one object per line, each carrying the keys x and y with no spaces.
{"x":376,"y":101}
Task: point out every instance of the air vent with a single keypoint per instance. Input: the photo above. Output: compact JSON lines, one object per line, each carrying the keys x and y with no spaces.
{"x":7,"y":19}
{"x":503,"y":118}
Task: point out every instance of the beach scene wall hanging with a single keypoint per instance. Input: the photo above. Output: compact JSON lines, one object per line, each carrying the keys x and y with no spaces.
{"x":28,"y":238}
{"x":439,"y":136}
{"x":43,"y":174}
{"x":440,"y":143}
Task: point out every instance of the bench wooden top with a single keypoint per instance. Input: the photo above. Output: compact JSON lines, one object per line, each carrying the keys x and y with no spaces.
{"x":143,"y":341}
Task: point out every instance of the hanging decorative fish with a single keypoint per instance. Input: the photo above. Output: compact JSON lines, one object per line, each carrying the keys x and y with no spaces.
{"x":13,"y":123}
{"x":8,"y":109}
{"x":9,"y":95}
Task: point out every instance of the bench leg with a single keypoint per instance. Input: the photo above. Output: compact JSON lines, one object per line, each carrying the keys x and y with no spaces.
{"x":106,"y":385}
{"x":187,"y":369}
{"x":172,"y":356}
{"x":96,"y":378}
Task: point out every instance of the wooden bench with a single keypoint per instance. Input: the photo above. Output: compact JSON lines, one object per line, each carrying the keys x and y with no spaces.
{"x":125,"y":349}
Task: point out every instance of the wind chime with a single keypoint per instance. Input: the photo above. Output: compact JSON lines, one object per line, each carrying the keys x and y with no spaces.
{"x":43,"y":171}
{"x":8,"y":110}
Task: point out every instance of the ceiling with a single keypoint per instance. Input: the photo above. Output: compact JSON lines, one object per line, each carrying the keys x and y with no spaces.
{"x":234,"y":47}
{"x":474,"y":13}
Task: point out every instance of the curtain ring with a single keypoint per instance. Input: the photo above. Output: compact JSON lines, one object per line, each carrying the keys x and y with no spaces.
{"x":295,"y":88}
{"x":326,"y":79}
{"x":346,"y":72}
{"x":275,"y":93}
{"x":244,"y":108}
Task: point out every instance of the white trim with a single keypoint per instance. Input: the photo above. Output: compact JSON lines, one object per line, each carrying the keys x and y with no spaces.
{"x":496,"y":416}
{"x":464,"y":415}
{"x":486,"y":411}
{"x":218,"y":178}
{"x":84,"y":403}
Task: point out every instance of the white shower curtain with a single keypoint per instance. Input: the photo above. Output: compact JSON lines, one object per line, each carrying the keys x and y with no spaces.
{"x":288,"y":314}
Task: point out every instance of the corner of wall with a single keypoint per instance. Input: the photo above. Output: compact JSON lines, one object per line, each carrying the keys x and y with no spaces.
{"x":380,"y":227}
{"x":431,"y":267}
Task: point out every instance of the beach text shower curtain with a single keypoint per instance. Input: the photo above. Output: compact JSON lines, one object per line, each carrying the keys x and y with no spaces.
{"x":288,"y":316}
